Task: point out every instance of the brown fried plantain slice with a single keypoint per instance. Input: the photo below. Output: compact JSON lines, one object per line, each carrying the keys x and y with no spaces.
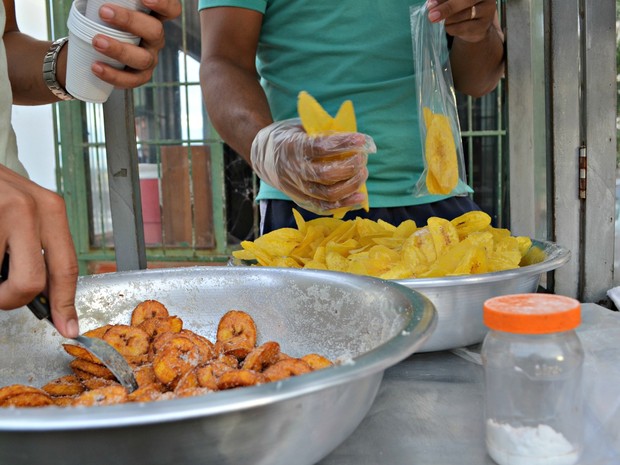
{"x":29,"y":399}
{"x":97,"y":332}
{"x":95,"y":383}
{"x":148,"y":309}
{"x":206,"y":347}
{"x":287,"y":368}
{"x":68,"y":385}
{"x":238,"y":347}
{"x":175,"y":358}
{"x":208,"y":374}
{"x":148,"y":393}
{"x":262,"y":356}
{"x":240,"y":378}
{"x":80,"y":352}
{"x":317,"y":362}
{"x":108,"y":395}
{"x":64,"y":401}
{"x":81,"y":366}
{"x":192,"y":392}
{"x":161,"y":324}
{"x":12,"y":390}
{"x":230,"y":360}
{"x":130,"y":341}
{"x":236,"y":323}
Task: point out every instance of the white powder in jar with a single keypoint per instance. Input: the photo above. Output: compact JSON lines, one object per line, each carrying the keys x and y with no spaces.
{"x":527,"y":445}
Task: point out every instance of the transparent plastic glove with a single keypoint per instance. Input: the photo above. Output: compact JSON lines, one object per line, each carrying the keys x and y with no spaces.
{"x":319,"y":173}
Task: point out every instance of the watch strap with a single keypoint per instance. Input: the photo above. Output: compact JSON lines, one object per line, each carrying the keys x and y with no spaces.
{"x":49,"y":70}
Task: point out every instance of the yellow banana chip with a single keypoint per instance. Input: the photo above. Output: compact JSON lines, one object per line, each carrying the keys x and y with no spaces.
{"x":345,"y":118}
{"x":466,"y":245}
{"x":471,"y":222}
{"x":316,"y":120}
{"x":444,"y":234}
{"x":440,"y":151}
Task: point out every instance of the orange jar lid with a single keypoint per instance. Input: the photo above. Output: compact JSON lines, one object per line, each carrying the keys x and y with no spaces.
{"x":532,"y":313}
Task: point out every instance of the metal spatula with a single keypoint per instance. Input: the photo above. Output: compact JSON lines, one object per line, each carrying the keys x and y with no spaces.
{"x":108,"y":355}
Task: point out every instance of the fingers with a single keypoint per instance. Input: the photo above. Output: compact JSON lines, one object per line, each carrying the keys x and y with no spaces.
{"x":148,"y":28}
{"x":164,"y":9}
{"x":34,"y":220}
{"x":336,"y":169}
{"x":19,"y":236}
{"x":139,"y":63}
{"x":342,"y":193}
{"x":322,"y":199}
{"x":468,"y":19}
{"x":139,"y":60}
{"x":341,"y":142}
{"x":62,"y":266}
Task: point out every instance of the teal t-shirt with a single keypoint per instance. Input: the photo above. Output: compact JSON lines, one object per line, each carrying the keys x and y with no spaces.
{"x":347,"y":49}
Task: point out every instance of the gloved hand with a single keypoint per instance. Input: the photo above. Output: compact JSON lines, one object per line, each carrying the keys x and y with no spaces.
{"x":319,"y":173}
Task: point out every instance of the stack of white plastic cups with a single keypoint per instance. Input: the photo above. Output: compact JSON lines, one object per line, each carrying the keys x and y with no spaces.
{"x":84,"y":24}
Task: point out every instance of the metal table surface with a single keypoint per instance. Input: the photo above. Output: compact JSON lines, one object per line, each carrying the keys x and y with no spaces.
{"x":429,"y":409}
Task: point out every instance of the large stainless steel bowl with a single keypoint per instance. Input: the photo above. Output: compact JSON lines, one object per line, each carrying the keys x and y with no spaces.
{"x":368,"y":324}
{"x":459,"y":299}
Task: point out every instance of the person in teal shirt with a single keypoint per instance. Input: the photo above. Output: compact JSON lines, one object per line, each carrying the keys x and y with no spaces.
{"x":257,"y":55}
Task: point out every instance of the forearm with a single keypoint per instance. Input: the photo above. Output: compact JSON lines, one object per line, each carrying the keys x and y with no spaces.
{"x":236,"y":103}
{"x":25,"y":64}
{"x":477,"y":67}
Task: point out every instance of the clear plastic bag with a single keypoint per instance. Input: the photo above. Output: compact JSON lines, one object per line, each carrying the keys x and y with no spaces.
{"x":440,"y":132}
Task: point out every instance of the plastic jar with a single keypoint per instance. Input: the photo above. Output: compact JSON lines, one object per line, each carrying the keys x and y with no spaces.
{"x":533,"y":363}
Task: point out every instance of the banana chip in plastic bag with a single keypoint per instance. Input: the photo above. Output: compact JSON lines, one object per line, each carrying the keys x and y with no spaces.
{"x":440,"y":132}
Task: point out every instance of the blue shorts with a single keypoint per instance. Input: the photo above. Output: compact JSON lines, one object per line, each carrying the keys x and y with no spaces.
{"x":276,"y":214}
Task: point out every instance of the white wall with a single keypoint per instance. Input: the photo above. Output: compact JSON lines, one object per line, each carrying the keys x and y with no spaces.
{"x":33,"y":125}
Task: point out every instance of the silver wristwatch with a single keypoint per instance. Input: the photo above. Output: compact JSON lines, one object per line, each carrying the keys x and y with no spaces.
{"x":49,"y":70}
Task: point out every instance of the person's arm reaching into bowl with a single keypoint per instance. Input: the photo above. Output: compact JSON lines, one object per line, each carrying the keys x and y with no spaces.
{"x":34,"y":228}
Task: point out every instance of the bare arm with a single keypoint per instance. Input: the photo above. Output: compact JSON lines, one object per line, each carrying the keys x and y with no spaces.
{"x":234,"y":99}
{"x":477,"y":54}
{"x":25,"y":54}
{"x":25,"y":60}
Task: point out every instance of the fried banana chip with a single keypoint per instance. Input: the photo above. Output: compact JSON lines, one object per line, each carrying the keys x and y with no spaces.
{"x":80,"y":352}
{"x":317,"y":362}
{"x":164,"y":324}
{"x":85,"y":369}
{"x":176,"y":357}
{"x":68,"y":385}
{"x":240,"y":378}
{"x":98,"y":332}
{"x":287,"y":368}
{"x":148,"y":309}
{"x":130,"y":341}
{"x":316,"y":121}
{"x":440,"y":152}
{"x":470,"y":222}
{"x":262,"y":356}
{"x":23,"y":395}
{"x":236,"y":323}
{"x":108,"y":395}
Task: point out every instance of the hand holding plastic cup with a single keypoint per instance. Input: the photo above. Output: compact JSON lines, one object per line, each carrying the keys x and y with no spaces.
{"x":93,"y":6}
{"x":81,"y":82}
